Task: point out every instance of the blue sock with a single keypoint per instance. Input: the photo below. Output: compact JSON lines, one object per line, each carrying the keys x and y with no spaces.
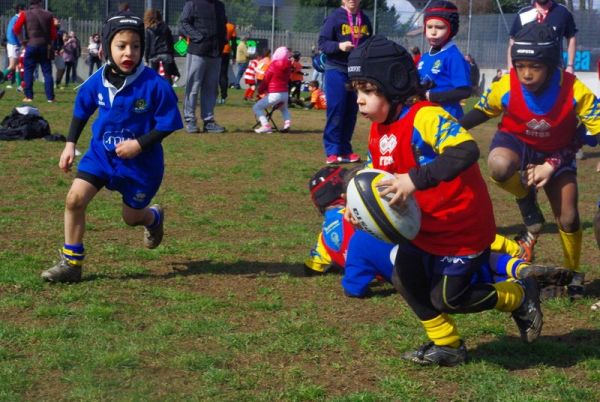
{"x":156,"y":220}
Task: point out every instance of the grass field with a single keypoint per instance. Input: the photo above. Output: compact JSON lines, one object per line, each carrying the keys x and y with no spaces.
{"x":221,"y":310}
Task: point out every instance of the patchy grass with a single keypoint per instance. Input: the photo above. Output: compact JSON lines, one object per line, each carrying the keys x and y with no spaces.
{"x":221,"y":310}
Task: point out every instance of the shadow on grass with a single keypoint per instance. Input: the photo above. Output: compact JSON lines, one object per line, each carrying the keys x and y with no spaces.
{"x":549,"y":228}
{"x":245,"y":268}
{"x":555,"y":350}
{"x":592,"y":289}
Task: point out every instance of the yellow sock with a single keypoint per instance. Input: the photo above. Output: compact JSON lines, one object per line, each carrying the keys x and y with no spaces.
{"x":571,"y":245}
{"x":513,"y":185}
{"x":442,"y":331}
{"x":503,"y":244}
{"x":510,"y":296}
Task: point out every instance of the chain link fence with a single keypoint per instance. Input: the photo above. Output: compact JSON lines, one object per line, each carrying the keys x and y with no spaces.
{"x":485,"y":37}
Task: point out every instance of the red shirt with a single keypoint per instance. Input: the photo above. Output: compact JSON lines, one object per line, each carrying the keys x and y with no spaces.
{"x":548,"y":132}
{"x":457,"y":217}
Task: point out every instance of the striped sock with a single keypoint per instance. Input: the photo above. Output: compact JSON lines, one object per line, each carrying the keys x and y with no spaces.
{"x":74,"y":253}
{"x":442,"y":331}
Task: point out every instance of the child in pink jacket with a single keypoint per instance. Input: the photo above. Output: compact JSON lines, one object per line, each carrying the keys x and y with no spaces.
{"x":275,"y":85}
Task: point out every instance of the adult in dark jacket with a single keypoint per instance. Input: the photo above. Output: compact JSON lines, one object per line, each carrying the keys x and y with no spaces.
{"x":159,"y":44}
{"x":41,"y":31}
{"x":343,"y":30}
{"x":203,"y":22}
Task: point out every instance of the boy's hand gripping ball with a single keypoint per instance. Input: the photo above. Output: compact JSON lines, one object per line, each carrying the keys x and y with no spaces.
{"x":389,"y":223}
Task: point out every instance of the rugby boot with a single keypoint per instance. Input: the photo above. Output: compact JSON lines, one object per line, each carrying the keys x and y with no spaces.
{"x":430,"y":354}
{"x":576,"y":287}
{"x":546,"y":275}
{"x":531,"y":212}
{"x":527,"y":241}
{"x":62,"y":271}
{"x":528,"y":316}
{"x":153,"y":236}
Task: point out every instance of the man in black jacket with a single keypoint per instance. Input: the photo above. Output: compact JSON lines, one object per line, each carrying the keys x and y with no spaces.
{"x":203,"y":22}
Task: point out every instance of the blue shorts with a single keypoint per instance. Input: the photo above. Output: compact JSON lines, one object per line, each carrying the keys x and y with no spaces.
{"x":529,"y":155}
{"x":137,"y":179}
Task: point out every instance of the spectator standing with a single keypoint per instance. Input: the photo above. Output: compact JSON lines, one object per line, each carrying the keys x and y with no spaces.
{"x":473,"y":74}
{"x":13,"y":47}
{"x":242,"y":59}
{"x":93,"y":58}
{"x":69,"y":55}
{"x":59,"y":61}
{"x":41,"y":31}
{"x":159,"y":44}
{"x":228,"y":50}
{"x":553,"y":14}
{"x":72,"y":34}
{"x":343,"y":30}
{"x":203,"y":22}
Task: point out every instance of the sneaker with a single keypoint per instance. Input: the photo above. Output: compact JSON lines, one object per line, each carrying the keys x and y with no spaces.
{"x":62,"y":272}
{"x":263,"y":129}
{"x":430,"y":353}
{"x":546,"y":276}
{"x":9,"y":86}
{"x":51,"y":100}
{"x":192,"y":128}
{"x":19,"y":89}
{"x":528,"y":316}
{"x":332,"y":159}
{"x":350,"y":158}
{"x":527,"y":241}
{"x":286,"y":126}
{"x":576,"y":287}
{"x":531,"y":213}
{"x":27,"y":100}
{"x":211,"y":126}
{"x":153,"y":237}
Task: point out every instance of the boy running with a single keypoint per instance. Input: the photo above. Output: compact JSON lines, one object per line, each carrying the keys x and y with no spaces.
{"x":137,"y":110}
{"x":435,"y":159}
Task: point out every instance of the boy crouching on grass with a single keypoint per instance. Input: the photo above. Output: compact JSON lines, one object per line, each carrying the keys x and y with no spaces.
{"x":435,"y":159}
{"x":137,"y":110}
{"x":363,"y":257}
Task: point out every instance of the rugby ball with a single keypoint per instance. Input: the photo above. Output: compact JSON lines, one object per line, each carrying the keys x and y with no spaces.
{"x":392,"y":224}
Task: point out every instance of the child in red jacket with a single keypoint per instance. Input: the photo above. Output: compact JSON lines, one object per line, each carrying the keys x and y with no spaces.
{"x":275,"y":85}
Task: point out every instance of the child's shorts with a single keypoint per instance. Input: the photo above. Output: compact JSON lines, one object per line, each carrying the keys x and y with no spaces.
{"x":137,"y":179}
{"x":529,"y":155}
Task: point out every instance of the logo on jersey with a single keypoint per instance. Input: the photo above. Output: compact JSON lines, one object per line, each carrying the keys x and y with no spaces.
{"x":140,"y":106}
{"x":538,"y":128}
{"x":110,"y":139}
{"x":139,"y":197}
{"x":101,"y":100}
{"x":437,"y":66}
{"x":387,"y":144}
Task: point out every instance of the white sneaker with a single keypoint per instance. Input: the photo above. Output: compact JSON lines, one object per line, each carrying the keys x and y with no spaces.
{"x":286,"y":126}
{"x":264,"y":129}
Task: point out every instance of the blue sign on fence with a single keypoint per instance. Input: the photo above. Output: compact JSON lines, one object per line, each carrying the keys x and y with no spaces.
{"x":583,"y":60}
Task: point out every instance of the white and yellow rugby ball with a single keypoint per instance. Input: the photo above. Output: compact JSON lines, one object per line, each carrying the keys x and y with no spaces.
{"x":373,"y":212}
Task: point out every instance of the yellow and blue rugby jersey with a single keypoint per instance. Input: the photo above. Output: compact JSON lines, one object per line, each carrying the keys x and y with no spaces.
{"x":495,"y":100}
